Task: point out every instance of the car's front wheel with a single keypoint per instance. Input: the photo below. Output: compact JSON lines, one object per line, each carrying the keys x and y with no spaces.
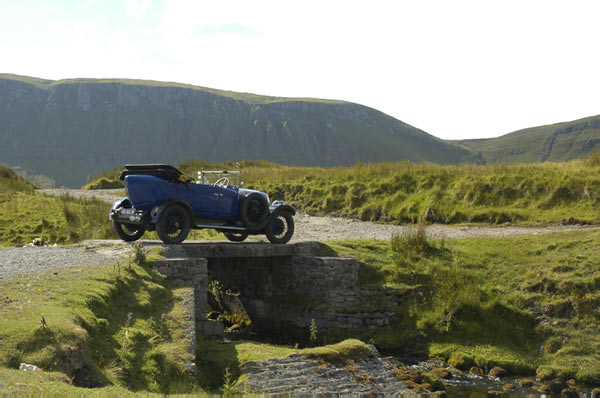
{"x":174,"y":225}
{"x":128,"y":232}
{"x":280,"y":228}
{"x":236,"y":237}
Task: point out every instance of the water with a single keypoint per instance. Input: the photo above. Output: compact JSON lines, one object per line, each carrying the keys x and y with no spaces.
{"x":472,"y":386}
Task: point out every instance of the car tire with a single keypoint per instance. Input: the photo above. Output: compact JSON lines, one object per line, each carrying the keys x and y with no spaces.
{"x":173,"y":225}
{"x":254,"y":210}
{"x":280,"y":228}
{"x":236,"y":236}
{"x":128,"y":232}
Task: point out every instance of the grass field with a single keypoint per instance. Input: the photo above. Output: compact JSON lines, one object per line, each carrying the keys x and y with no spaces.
{"x":121,"y":327}
{"x":526,"y":304}
{"x":526,"y":194}
{"x":26,"y":214}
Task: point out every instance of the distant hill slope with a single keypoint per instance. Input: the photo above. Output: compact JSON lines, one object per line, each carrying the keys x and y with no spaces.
{"x":71,"y":130}
{"x":556,"y":143}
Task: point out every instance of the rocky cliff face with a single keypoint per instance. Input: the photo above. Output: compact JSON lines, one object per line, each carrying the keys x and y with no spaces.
{"x":73,"y":129}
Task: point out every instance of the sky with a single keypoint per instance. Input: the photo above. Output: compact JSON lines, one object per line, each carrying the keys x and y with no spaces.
{"x":455,"y":69}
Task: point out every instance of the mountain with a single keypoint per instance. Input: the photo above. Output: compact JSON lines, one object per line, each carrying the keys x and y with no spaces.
{"x":554,"y":143}
{"x":71,"y":130}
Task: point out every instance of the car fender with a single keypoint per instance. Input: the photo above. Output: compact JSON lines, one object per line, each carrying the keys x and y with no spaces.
{"x":276,"y":208}
{"x":243,"y":193}
{"x":158,"y":209}
{"x":122,"y":202}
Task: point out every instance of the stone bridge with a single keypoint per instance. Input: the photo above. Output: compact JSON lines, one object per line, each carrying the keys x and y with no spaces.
{"x":280,"y":286}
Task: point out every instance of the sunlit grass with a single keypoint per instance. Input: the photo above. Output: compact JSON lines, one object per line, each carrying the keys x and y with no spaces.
{"x":405,"y":192}
{"x":519,"y":303}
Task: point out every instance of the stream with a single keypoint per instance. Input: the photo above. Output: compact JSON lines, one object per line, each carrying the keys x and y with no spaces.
{"x":467,"y":385}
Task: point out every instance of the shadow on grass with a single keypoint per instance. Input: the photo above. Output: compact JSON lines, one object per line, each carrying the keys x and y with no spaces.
{"x":66,"y":354}
{"x":212,"y":361}
{"x":127,"y":328}
{"x":505,"y":337}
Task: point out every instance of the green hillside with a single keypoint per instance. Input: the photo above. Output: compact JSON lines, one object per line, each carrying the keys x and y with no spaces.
{"x":70,"y":130}
{"x":552,"y":143}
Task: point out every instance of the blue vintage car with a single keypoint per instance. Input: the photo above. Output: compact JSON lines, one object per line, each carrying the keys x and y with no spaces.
{"x":162,"y":198}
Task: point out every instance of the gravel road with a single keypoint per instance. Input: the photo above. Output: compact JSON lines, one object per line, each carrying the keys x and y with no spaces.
{"x":22,"y":261}
{"x":107,"y":195}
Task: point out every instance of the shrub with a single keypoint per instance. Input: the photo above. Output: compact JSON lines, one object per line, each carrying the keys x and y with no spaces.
{"x":412,"y":242}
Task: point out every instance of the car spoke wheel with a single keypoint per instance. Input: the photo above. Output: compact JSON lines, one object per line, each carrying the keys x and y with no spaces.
{"x":280,"y":228}
{"x":128,"y":232}
{"x":174,"y":225}
{"x":254,"y":210}
{"x":236,"y":236}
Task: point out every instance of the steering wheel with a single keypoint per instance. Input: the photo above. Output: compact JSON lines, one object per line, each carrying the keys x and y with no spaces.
{"x":222,"y":182}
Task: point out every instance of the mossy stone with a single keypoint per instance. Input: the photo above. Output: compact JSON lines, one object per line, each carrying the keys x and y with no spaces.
{"x":497,"y":372}
{"x":526,"y":383}
{"x":509,"y":387}
{"x":474,"y":370}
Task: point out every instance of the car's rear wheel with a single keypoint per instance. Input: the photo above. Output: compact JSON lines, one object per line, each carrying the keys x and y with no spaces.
{"x":280,"y":228}
{"x":254,"y":210}
{"x":128,"y":232}
{"x":174,"y":225}
{"x":236,"y":236}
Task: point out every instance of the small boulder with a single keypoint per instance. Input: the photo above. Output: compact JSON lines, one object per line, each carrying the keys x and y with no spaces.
{"x":423,"y":388}
{"x":569,"y":393}
{"x":526,"y":383}
{"x":461,"y":362}
{"x":509,"y":387}
{"x":497,"y":372}
{"x":442,"y":373}
{"x":406,"y":374}
{"x":476,"y":371}
{"x":553,"y":386}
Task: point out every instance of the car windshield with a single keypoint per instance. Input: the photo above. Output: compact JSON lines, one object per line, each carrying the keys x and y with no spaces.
{"x":219,"y":177}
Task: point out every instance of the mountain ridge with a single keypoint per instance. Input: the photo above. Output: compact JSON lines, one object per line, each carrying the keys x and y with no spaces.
{"x":72,"y":129}
{"x":556,"y":142}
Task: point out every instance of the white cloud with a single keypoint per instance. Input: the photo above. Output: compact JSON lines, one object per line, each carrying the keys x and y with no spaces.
{"x":138,"y":8}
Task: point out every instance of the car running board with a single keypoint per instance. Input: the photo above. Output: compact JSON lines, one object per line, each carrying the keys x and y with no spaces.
{"x":227,"y":227}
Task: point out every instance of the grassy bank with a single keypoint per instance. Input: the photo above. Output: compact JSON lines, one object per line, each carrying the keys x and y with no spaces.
{"x":526,"y":304}
{"x":407,"y":192}
{"x":120,"y":330}
{"x":26,"y":214}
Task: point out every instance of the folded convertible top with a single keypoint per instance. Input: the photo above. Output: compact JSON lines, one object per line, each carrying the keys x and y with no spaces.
{"x":163,"y":171}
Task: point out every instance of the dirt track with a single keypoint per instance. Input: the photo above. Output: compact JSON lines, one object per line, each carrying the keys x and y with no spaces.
{"x":311,"y":228}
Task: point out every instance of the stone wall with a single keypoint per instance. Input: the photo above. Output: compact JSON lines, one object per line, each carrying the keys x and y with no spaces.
{"x":278,"y":284}
{"x":192,"y":272}
{"x":297,"y":289}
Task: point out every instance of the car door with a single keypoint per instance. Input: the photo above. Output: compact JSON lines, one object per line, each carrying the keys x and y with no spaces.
{"x":226,"y":203}
{"x":203,"y":199}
